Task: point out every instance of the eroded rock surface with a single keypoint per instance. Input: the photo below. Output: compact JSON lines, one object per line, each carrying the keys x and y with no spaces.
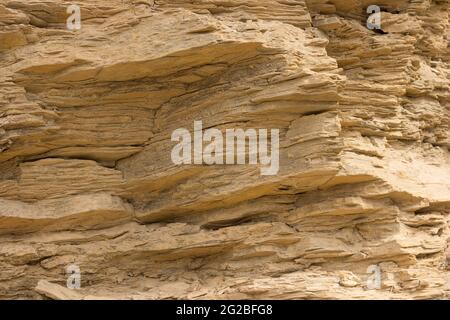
{"x":86,"y":178}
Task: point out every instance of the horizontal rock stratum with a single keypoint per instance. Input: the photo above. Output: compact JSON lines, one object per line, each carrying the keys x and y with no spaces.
{"x":87,"y":180}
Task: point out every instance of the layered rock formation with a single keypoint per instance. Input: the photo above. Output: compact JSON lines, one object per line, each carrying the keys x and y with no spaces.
{"x":86,"y":176}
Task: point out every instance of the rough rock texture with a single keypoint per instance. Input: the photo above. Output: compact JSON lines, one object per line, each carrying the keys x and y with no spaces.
{"x":86,"y":118}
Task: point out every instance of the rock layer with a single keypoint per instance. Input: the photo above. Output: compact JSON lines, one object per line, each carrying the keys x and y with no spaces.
{"x":86,"y":178}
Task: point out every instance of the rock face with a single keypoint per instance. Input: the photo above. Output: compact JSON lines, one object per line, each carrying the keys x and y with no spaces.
{"x":86,"y":176}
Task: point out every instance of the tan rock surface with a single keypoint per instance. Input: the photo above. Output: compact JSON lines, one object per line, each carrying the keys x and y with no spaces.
{"x":86,"y":178}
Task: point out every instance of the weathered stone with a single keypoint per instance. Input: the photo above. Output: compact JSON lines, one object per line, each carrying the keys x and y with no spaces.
{"x":86,"y":176}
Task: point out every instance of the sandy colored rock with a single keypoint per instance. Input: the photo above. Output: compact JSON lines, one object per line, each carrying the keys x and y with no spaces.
{"x":86,"y":176}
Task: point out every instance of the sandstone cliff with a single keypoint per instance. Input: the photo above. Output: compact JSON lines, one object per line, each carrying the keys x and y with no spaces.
{"x":86,"y":178}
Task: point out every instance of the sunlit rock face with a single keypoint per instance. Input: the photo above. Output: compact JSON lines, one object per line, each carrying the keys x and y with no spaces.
{"x":359,"y":207}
